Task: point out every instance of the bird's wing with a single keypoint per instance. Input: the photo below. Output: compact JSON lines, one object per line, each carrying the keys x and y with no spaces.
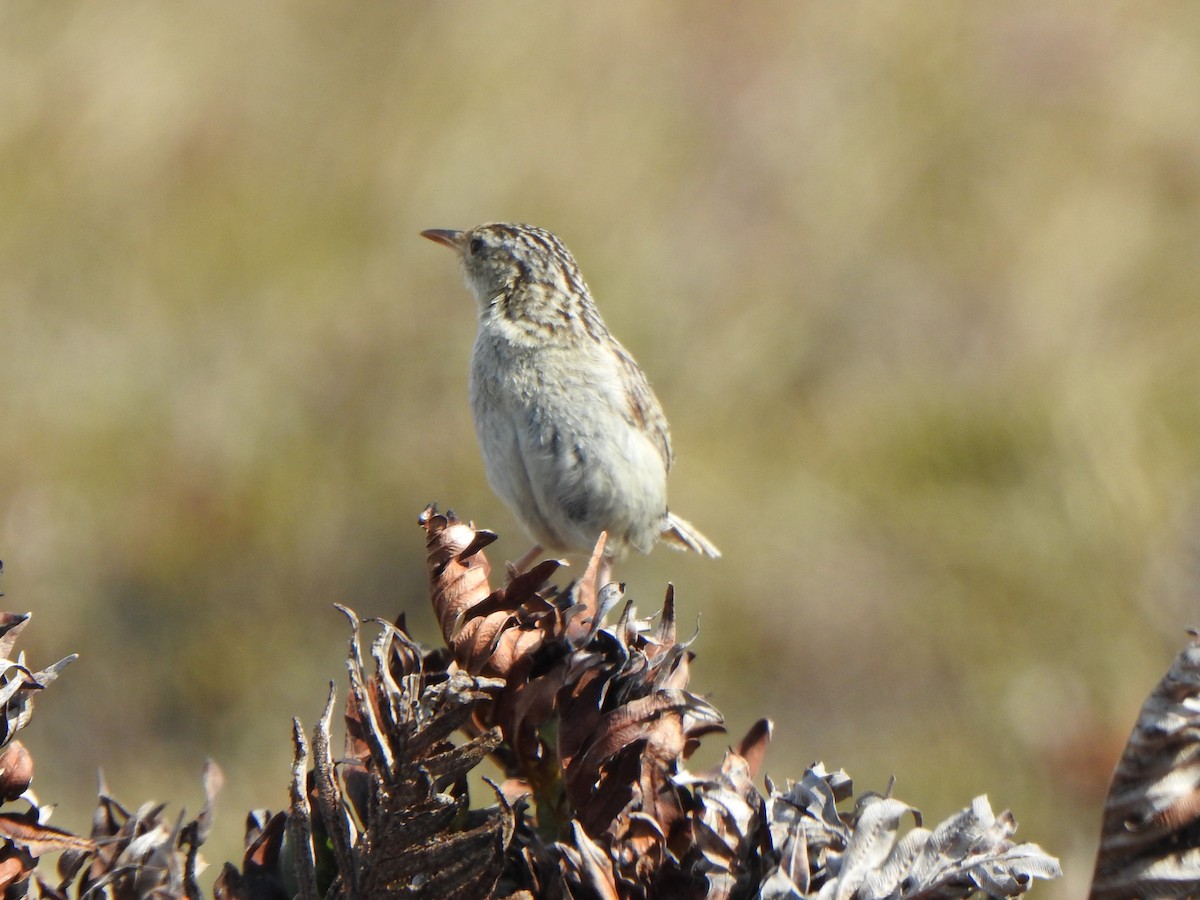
{"x":642,"y":408}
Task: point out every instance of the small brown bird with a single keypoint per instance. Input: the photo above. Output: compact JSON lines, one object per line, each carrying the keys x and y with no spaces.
{"x":573,"y":439}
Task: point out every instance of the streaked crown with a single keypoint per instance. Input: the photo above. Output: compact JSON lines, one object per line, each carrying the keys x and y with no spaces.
{"x":524,"y":273}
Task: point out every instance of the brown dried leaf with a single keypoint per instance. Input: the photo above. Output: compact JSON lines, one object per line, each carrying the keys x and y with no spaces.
{"x":16,"y":771}
{"x":587,"y":594}
{"x":753,"y":747}
{"x":16,"y":865}
{"x":654,"y":719}
{"x":458,"y":580}
{"x":516,"y":645}
{"x":25,"y":831}
{"x":262,"y":877}
{"x":588,"y":865}
{"x":639,"y":845}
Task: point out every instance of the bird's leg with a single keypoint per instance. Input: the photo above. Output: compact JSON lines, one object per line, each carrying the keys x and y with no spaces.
{"x":524,"y":561}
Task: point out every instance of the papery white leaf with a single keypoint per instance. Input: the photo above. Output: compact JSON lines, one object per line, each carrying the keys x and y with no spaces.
{"x":871,"y":843}
{"x":779,"y":887}
{"x":886,"y":879}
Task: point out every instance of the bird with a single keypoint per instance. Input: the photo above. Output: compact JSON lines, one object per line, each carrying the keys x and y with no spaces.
{"x":573,"y":438}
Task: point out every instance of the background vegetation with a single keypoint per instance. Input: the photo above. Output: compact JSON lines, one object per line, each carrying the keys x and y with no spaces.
{"x":915,"y":283}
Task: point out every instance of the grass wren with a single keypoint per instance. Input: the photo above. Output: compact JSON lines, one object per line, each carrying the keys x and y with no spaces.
{"x":573,"y":439}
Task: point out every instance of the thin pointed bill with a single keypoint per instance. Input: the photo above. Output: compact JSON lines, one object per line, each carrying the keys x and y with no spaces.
{"x":448,"y":237}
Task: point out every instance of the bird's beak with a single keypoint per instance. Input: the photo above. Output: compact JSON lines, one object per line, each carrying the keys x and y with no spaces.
{"x":451,"y":239}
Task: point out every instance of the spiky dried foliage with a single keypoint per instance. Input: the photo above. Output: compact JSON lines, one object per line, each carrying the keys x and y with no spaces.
{"x":1150,"y":839}
{"x":393,"y":817}
{"x":588,"y":716}
{"x":597,"y":724}
{"x":136,"y":854}
{"x":820,"y":851}
{"x":127,"y":855}
{"x":24,"y":834}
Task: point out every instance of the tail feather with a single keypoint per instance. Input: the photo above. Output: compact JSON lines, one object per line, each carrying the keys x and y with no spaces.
{"x":681,"y":534}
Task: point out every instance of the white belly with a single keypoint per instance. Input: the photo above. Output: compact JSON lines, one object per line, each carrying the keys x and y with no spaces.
{"x":563,"y":455}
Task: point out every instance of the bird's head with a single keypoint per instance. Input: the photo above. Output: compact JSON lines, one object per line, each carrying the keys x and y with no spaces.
{"x":520,"y":271}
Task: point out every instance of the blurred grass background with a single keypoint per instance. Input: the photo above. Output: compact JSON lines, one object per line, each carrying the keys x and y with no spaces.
{"x":915,"y":283}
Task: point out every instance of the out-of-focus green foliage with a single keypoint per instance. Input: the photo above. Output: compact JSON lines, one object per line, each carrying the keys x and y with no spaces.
{"x":916,"y":283}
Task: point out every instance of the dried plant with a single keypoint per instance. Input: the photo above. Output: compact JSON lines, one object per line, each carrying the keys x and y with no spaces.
{"x":1150,"y":839}
{"x":585,"y":709}
{"x":128,"y":855}
{"x":138,"y":854}
{"x":597,"y":725}
{"x":583,"y":706}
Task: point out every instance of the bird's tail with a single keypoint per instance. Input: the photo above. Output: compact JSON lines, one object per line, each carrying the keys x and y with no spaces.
{"x":682,"y":535}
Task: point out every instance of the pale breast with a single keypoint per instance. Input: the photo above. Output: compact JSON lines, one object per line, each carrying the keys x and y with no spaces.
{"x":561,"y":449}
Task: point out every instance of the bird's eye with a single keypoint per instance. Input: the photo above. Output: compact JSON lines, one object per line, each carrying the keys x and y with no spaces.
{"x":476,"y":245}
